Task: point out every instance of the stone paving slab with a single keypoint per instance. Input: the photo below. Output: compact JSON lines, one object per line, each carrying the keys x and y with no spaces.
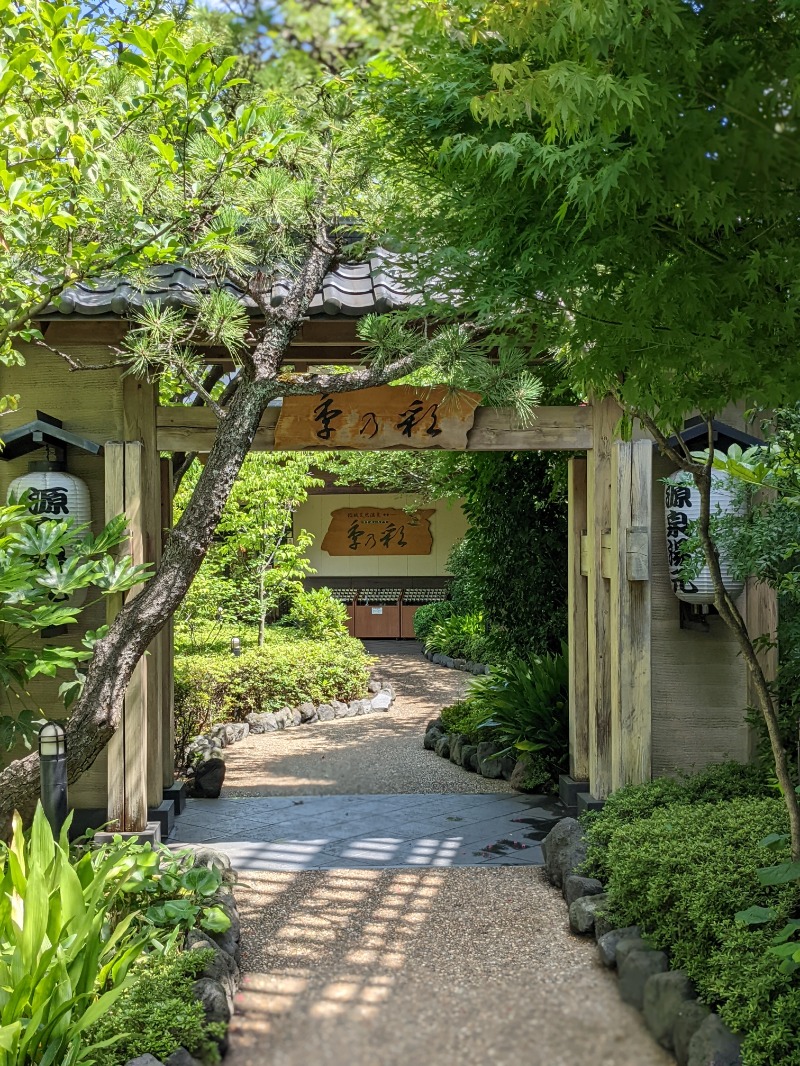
{"x":371,"y":831}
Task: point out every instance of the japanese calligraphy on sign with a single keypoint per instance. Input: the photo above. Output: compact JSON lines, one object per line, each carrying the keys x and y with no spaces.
{"x":363,"y":531}
{"x":680,"y":512}
{"x":392,"y":416}
{"x":53,"y":501}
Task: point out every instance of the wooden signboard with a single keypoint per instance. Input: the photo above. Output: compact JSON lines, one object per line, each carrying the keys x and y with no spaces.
{"x":391,"y":416}
{"x":371,"y":531}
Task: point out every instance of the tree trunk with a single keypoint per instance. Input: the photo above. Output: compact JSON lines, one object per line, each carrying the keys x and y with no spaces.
{"x":262,"y":611}
{"x":732,"y":617}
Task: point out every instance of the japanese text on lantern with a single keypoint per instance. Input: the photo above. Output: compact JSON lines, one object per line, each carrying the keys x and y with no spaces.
{"x":392,"y":416}
{"x":678,"y":500}
{"x":384,"y":531}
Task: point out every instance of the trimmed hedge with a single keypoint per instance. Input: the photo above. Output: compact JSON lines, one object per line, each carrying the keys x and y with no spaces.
{"x":217,"y":687}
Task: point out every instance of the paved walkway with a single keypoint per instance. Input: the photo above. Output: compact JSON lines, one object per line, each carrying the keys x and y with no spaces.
{"x":394,"y":911}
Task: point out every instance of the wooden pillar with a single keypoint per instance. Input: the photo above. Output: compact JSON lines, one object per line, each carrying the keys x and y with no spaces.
{"x":139,"y":410}
{"x":761,"y":618}
{"x":578,"y":619}
{"x":127,"y":750}
{"x":167,"y":640}
{"x":630,"y":628}
{"x":607,"y":414}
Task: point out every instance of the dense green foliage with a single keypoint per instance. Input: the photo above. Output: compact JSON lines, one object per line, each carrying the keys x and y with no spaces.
{"x":287,"y":670}
{"x":459,"y":636}
{"x":526,"y":706}
{"x":613,"y":177}
{"x":158,"y":1013}
{"x":46,"y":568}
{"x":682,"y":874}
{"x":430,"y":615}
{"x":512,"y":564}
{"x":317,"y":615}
{"x":634,"y":803}
{"x":466,"y":719}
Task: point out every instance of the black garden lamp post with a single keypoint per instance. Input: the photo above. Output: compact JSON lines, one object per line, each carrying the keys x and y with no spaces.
{"x":53,"y":773}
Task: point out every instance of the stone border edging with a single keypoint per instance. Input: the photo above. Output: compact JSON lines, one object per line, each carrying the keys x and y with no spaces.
{"x":478,"y":758}
{"x":205,"y":751}
{"x":218,"y":984}
{"x":673,"y":1014}
{"x":456,"y":664}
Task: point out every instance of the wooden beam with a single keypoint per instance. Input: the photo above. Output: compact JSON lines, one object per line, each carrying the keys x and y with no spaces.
{"x":192,"y":429}
{"x":606,"y":416}
{"x":630,"y":630}
{"x":578,"y":619}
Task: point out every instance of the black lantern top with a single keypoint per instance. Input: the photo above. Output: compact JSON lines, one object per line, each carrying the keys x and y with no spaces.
{"x":44,"y":432}
{"x":695,"y":432}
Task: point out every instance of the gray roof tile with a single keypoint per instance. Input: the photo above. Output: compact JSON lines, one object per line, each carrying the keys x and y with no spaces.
{"x":353,"y":289}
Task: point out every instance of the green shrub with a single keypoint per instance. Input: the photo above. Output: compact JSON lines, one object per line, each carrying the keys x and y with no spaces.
{"x":466,"y":719}
{"x":219,"y":687}
{"x":456,"y":636}
{"x":526,"y":705}
{"x":682,"y":874}
{"x":317,"y":615}
{"x":429,"y":615}
{"x":158,"y":1014}
{"x":714,"y":784}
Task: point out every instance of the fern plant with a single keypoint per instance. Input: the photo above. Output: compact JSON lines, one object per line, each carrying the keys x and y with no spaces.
{"x":526,"y":702}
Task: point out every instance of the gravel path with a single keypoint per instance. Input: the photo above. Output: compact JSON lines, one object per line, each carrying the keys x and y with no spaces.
{"x":410,"y":967}
{"x":380,"y":753}
{"x":433,"y":967}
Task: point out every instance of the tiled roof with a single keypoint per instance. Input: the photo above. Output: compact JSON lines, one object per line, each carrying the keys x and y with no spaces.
{"x":353,"y":289}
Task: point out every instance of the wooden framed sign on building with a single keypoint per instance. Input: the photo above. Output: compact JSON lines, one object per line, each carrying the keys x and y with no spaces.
{"x":382,"y":531}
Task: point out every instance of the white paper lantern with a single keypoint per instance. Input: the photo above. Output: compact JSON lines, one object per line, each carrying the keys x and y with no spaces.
{"x":682,"y":499}
{"x":53,"y":493}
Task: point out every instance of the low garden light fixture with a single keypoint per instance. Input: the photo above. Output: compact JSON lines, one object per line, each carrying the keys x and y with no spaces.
{"x":236,"y":646}
{"x":53,"y":773}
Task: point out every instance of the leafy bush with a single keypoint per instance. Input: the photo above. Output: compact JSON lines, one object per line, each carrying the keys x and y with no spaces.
{"x":158,"y":1013}
{"x":429,"y":615}
{"x":317,"y":615}
{"x":526,"y":705}
{"x":682,"y":874}
{"x":455,"y":636}
{"x":289,"y":670}
{"x":465,"y":718}
{"x":63,"y":959}
{"x":714,"y":784}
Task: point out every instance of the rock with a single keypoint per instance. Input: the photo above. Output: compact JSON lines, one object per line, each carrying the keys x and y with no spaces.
{"x":448,"y":662}
{"x":688,"y":1020}
{"x":208,"y":779}
{"x":382,"y":702}
{"x":524,"y":778}
{"x":457,"y":743}
{"x":627,"y":944}
{"x":430,"y":739}
{"x":459,"y":664}
{"x":374,"y":686}
{"x":181,"y":1057}
{"x":576,"y":887}
{"x":261,"y":723}
{"x":607,"y":943}
{"x":443,"y":746}
{"x":507,"y":766}
{"x":488,"y":765}
{"x":582,"y":912}
{"x":438,"y":659}
{"x":221,"y":967}
{"x":469,"y":755}
{"x":212,"y":998}
{"x":634,"y":970}
{"x":284,"y":717}
{"x":564,"y":850}
{"x":240,"y":731}
{"x":325,"y":713}
{"x":308,"y":712}
{"x":473,"y":762}
{"x":664,"y":995}
{"x":144,"y":1060}
{"x":602,"y":924}
{"x":387,"y":687}
{"x":297,"y":718}
{"x":203,"y":855}
{"x":714,"y":1045}
{"x":435,"y":723}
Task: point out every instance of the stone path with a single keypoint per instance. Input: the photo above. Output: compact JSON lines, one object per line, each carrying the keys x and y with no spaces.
{"x":393,"y":909}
